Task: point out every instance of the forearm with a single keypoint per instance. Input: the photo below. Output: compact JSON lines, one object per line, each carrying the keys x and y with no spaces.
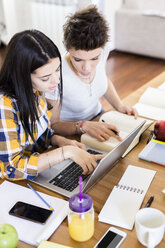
{"x":66,"y":128}
{"x":48,"y":159}
{"x":112,"y":96}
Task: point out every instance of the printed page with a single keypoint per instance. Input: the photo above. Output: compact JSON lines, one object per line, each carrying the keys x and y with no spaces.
{"x":125,"y":123}
{"x":104,"y":146}
{"x":149,"y":111}
{"x":151,"y":104}
{"x":154,"y":97}
{"x":162,"y":86}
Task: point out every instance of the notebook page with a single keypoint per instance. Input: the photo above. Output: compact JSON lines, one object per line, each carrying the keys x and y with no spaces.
{"x":137,"y":177}
{"x":126,"y":198}
{"x":11,"y":193}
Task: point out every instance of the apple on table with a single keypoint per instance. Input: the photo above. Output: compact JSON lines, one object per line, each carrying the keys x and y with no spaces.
{"x":159,"y":130}
{"x":8,"y":236}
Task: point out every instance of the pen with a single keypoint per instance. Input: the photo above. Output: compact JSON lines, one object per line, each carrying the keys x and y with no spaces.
{"x":47,"y":204}
{"x":115,"y":132}
{"x":148,"y":204}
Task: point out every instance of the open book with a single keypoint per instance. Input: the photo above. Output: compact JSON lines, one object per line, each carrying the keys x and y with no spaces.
{"x":152,"y":103}
{"x":125,"y":123}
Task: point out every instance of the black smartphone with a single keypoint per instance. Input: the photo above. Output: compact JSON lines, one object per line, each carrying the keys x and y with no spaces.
{"x":30,"y":212}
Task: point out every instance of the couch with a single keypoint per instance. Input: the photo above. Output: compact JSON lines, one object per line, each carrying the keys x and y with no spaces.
{"x":140,"y":27}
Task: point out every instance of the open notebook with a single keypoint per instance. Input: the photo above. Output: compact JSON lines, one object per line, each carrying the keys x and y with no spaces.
{"x":125,"y":123}
{"x":28,"y":231}
{"x":126,"y":198}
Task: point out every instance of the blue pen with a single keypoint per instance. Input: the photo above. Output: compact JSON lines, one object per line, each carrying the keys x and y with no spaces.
{"x":47,"y":204}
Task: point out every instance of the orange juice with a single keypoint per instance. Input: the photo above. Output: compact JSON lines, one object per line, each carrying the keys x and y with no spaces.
{"x":81,"y":217}
{"x":81,"y":226}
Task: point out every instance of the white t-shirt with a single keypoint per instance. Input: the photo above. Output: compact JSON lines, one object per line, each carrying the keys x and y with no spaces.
{"x":81,"y":100}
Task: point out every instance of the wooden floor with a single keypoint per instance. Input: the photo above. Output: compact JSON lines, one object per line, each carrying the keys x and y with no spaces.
{"x":127,"y":71}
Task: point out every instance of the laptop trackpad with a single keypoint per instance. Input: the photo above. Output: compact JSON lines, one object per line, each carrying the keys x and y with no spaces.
{"x":54,"y":170}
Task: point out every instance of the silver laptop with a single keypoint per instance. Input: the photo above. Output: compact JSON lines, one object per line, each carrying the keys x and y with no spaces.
{"x":63,"y":177}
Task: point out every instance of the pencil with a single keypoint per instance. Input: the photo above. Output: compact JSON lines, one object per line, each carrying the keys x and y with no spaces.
{"x":47,"y":204}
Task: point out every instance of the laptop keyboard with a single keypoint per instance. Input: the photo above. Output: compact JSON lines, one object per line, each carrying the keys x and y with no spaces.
{"x":69,"y":177}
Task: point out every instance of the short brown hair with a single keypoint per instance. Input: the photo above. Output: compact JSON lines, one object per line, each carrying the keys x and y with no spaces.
{"x":85,"y":30}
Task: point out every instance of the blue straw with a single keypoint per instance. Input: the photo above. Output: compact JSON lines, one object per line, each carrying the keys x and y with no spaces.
{"x":47,"y":204}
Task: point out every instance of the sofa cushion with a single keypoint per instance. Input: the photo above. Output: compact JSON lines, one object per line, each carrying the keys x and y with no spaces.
{"x":140,"y":34}
{"x":143,"y":5}
{"x":158,"y":5}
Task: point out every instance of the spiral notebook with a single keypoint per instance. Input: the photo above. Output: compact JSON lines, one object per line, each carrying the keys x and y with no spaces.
{"x":126,"y":198}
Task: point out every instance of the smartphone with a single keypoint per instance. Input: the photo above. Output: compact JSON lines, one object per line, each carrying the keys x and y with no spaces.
{"x":111,"y":239}
{"x":30,"y":212}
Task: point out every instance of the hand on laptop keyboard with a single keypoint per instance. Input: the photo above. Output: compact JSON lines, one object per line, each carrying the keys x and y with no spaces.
{"x":87,"y":161}
{"x":69,"y":177}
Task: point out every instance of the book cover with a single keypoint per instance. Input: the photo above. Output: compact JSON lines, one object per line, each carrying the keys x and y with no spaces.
{"x":125,"y":123}
{"x":126,"y":198}
{"x":154,"y":152}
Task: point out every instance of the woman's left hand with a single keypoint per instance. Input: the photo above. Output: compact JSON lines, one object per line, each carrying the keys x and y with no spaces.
{"x":128,"y":110}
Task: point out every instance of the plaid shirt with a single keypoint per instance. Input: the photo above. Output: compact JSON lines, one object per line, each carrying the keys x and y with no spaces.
{"x":18,"y":155}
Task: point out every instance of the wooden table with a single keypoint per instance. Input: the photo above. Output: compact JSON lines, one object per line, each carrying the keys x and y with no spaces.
{"x":102,"y":189}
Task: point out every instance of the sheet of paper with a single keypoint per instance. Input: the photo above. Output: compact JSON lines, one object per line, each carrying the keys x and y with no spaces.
{"x":11,"y":193}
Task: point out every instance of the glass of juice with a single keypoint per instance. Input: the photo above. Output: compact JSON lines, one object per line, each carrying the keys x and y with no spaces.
{"x":81,"y":217}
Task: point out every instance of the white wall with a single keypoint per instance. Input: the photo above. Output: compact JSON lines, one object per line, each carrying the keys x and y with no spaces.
{"x":49,"y":18}
{"x":109,"y":7}
{"x":42,"y":15}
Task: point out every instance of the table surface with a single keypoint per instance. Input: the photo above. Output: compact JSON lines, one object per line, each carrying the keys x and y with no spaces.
{"x":106,"y":185}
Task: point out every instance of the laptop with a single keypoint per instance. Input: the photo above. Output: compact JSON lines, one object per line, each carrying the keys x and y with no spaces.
{"x":63,"y":177}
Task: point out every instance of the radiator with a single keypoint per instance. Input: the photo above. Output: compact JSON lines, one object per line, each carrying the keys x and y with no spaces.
{"x":47,"y":16}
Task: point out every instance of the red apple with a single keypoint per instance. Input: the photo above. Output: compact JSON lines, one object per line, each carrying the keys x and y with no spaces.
{"x":159,"y":130}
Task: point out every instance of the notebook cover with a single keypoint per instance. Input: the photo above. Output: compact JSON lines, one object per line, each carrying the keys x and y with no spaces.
{"x":154,"y":152}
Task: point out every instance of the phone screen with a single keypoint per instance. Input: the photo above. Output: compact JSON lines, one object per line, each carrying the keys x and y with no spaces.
{"x":30,"y":212}
{"x":110,"y":240}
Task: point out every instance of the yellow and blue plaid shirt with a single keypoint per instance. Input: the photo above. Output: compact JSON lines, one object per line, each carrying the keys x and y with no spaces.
{"x":18,"y":155}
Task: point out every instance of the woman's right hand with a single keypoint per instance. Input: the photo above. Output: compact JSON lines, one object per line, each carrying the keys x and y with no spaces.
{"x":100,"y":130}
{"x":87,"y":161}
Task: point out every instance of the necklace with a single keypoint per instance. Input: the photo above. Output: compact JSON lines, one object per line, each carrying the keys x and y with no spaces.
{"x":90,"y":89}
{"x":86,"y":80}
